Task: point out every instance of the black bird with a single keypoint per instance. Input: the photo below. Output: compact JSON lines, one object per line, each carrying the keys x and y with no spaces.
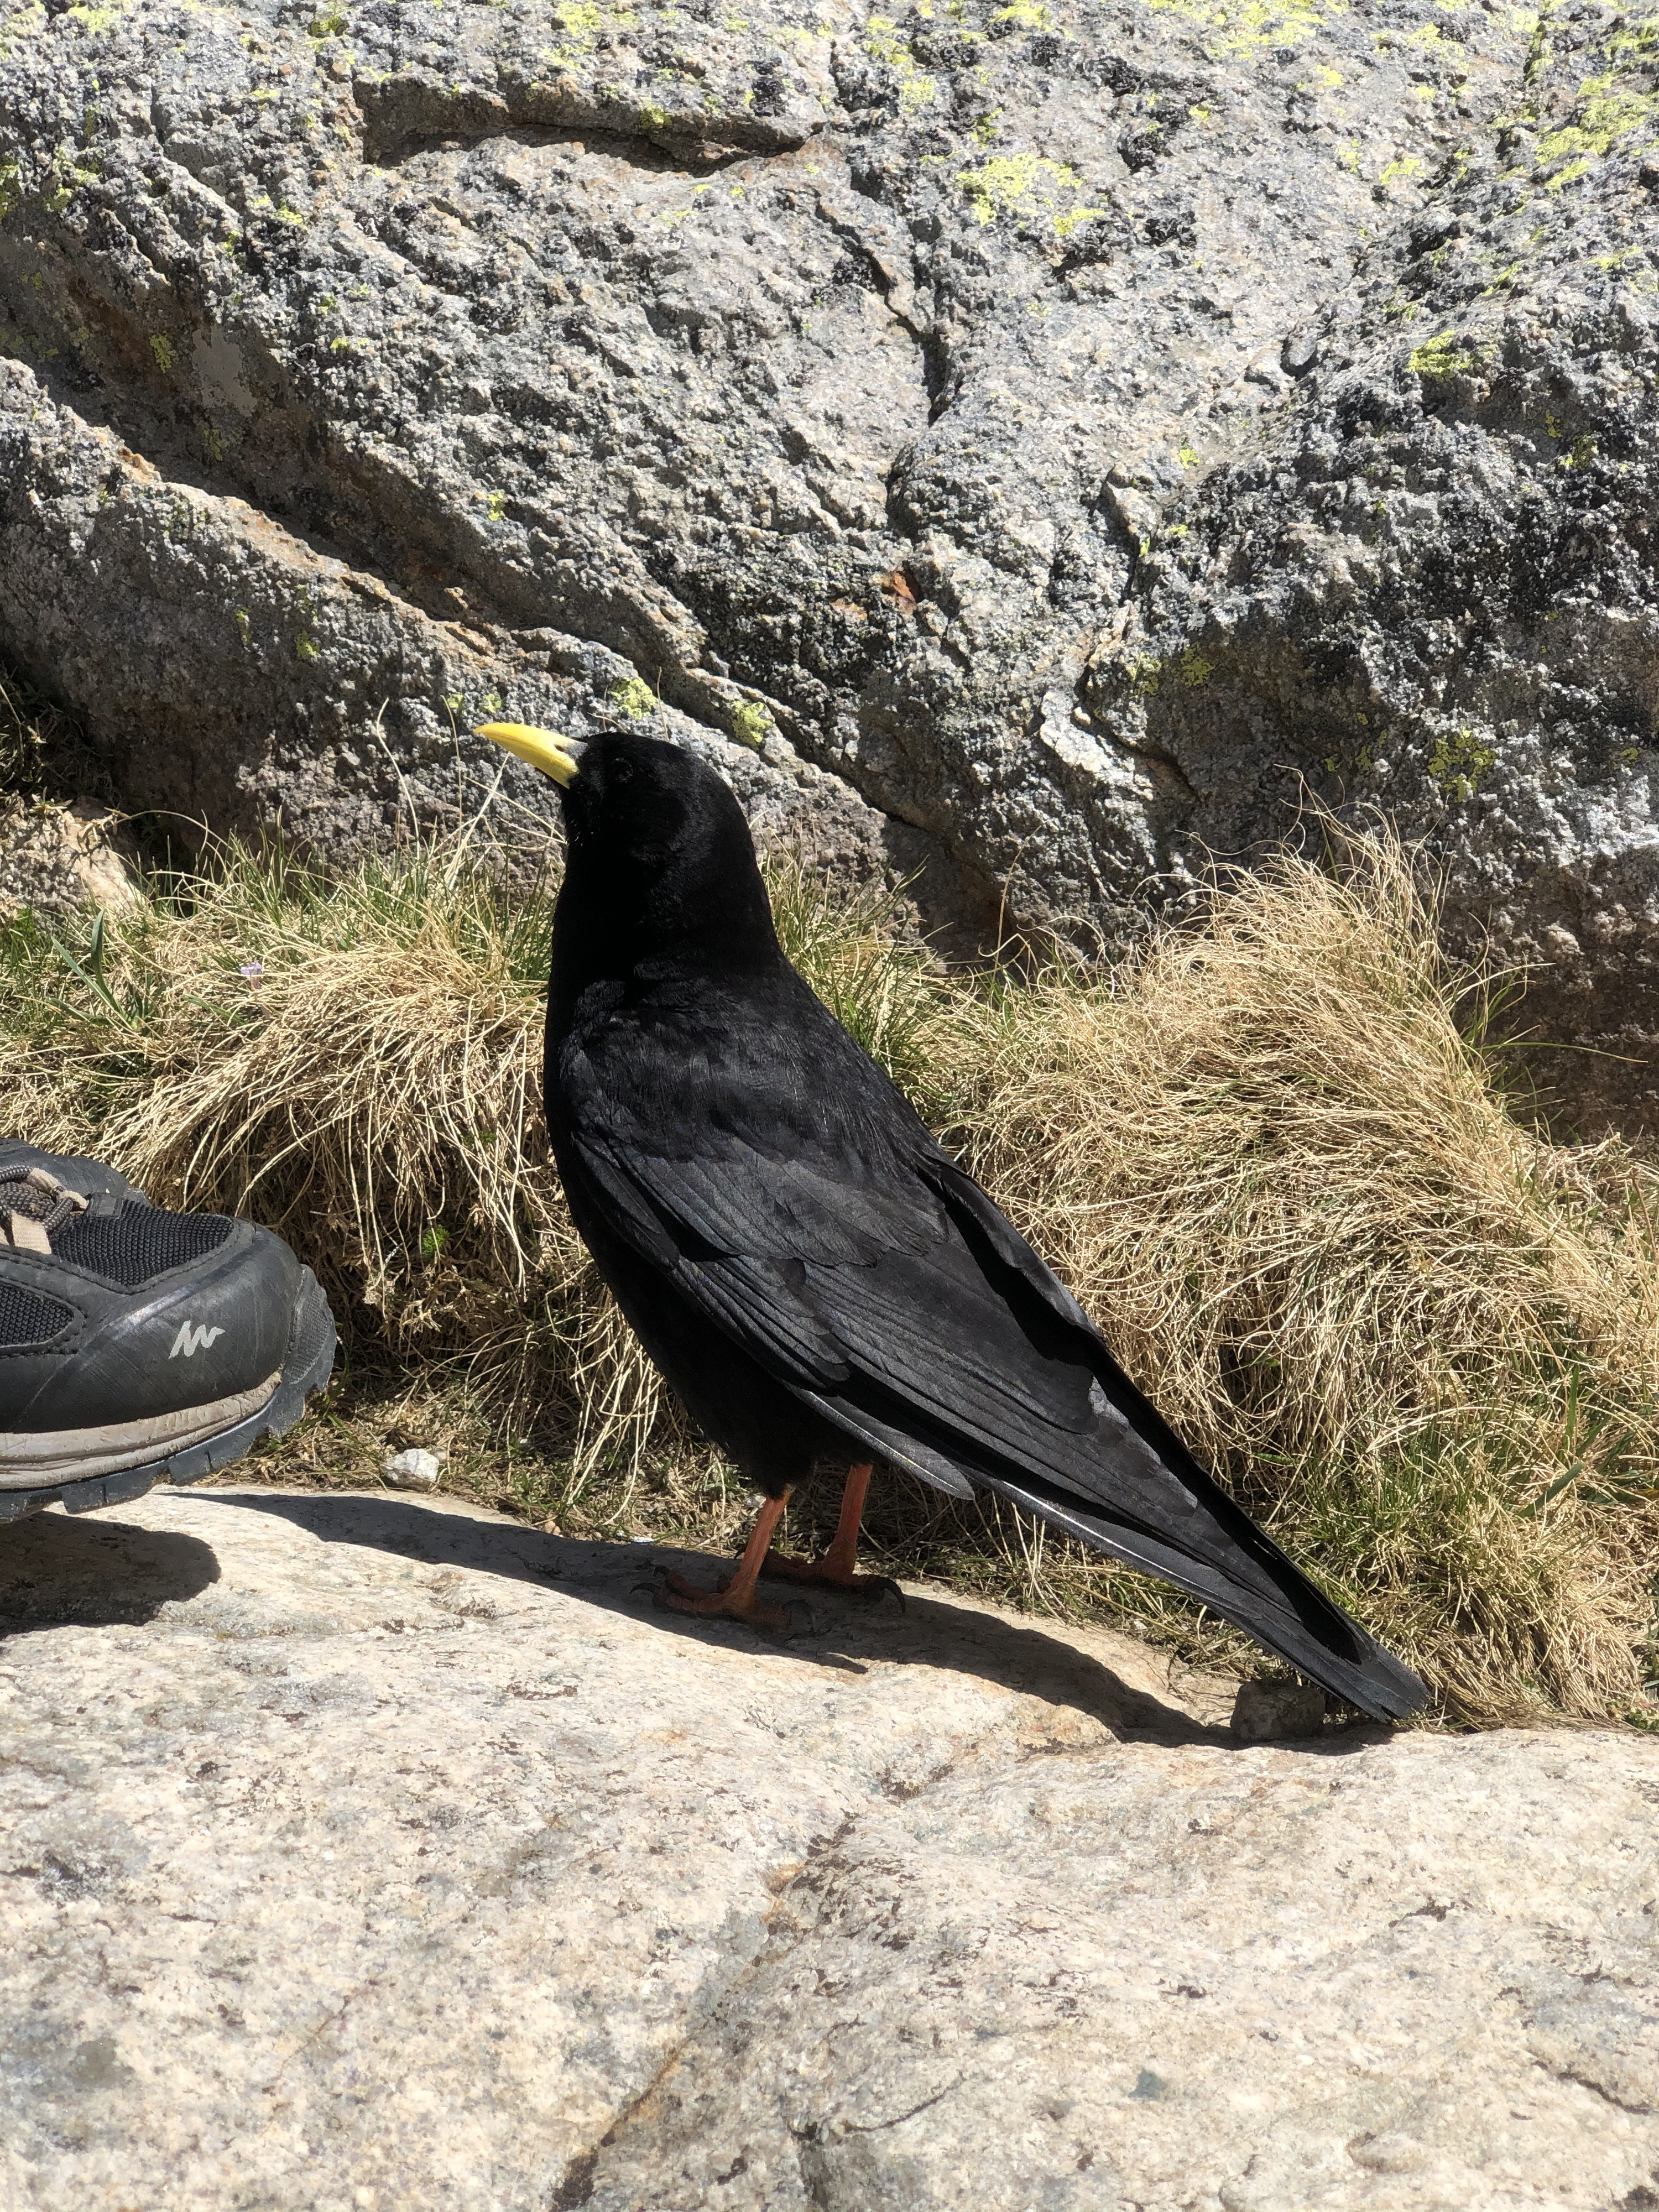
{"x":813,"y":1274}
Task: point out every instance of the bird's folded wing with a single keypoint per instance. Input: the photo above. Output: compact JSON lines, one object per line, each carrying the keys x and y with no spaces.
{"x":815,"y":1271}
{"x":961,"y":1335}
{"x":954,"y":1351}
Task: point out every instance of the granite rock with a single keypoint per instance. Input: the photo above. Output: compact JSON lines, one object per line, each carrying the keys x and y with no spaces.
{"x":1028,"y":444}
{"x":54,"y":858}
{"x":1431,"y":594}
{"x":366,"y":1853}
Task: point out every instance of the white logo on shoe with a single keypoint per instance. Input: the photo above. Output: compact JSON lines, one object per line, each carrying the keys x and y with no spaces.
{"x":191,"y":1338}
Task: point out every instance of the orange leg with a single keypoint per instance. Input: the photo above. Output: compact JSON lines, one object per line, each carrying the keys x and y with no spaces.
{"x":735,"y":1598}
{"x":837,"y":1566}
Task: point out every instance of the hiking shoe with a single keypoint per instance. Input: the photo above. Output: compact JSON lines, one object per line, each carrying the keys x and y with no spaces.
{"x":139,"y":1345}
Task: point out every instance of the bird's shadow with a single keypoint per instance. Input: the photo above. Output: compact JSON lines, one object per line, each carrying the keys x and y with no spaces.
{"x":848,"y":1634}
{"x":60,"y":1571}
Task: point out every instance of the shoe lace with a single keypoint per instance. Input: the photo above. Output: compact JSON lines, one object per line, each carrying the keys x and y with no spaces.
{"x":34,"y":1205}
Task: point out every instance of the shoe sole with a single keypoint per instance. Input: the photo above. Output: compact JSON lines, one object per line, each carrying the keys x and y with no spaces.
{"x":309,"y":1363}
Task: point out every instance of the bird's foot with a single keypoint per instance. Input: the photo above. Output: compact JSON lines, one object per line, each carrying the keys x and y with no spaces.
{"x":827,"y":1573}
{"x":676,"y":1595}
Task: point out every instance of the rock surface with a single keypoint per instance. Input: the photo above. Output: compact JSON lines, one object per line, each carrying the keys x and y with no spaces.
{"x":363,"y":1852}
{"x":56,"y":858}
{"x":1433,"y":592}
{"x":1037,"y":440}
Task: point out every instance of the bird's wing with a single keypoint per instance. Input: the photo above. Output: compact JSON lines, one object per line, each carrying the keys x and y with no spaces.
{"x":846,"y":1253}
{"x":815,"y":1220}
{"x":819,"y":1250}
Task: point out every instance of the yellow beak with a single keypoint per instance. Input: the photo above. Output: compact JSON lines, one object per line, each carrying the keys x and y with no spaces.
{"x":559,"y":757}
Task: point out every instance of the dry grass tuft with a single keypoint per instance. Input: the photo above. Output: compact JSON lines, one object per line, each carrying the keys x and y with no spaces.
{"x":1418,"y":1341}
{"x":41,"y":745}
{"x":357,"y":1061}
{"x":22,"y":737}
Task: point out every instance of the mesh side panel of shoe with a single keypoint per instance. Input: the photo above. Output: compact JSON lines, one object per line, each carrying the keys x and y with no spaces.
{"x":25,"y":1318}
{"x":139,"y":1243}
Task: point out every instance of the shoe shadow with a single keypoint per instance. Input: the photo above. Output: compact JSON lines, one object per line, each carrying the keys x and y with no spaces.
{"x":848,"y":1634}
{"x":60,"y":1571}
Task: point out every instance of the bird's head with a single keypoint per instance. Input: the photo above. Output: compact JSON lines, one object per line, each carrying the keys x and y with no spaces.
{"x":660,"y":861}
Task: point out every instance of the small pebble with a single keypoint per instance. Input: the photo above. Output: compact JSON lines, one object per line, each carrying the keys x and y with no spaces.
{"x":1266,"y":1710}
{"x":413,"y":1470}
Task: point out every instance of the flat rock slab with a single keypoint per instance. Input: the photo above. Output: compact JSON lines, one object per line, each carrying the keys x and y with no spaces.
{"x":364,"y":1852}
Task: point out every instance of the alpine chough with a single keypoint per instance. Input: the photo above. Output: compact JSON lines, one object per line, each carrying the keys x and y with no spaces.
{"x":812,"y":1274}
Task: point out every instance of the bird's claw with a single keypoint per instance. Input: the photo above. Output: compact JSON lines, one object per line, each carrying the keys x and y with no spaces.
{"x":873,"y":1587}
{"x":869,"y":1590}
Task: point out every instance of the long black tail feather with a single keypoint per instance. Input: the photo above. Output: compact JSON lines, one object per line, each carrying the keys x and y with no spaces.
{"x":1350,"y":1663}
{"x":1278,"y":1605}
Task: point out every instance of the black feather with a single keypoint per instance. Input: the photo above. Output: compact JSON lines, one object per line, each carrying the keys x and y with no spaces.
{"x":807,"y":1267}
